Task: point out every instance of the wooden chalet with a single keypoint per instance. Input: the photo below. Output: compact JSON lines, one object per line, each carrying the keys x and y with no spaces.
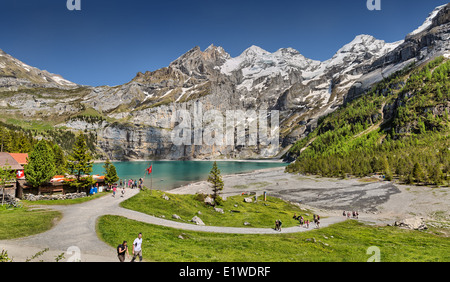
{"x":19,"y":186}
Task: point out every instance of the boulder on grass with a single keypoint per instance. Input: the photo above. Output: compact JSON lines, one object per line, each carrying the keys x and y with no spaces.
{"x":209,"y":201}
{"x":197,"y":220}
{"x":218,"y":210}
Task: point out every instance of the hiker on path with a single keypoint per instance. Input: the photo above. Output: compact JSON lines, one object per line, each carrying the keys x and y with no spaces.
{"x":121,"y":250}
{"x":137,"y":248}
{"x":123,"y":192}
{"x":278,"y":225}
{"x":114,"y":191}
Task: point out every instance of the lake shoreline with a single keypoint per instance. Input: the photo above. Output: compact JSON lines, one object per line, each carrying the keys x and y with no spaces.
{"x":197,"y":160}
{"x":169,"y":174}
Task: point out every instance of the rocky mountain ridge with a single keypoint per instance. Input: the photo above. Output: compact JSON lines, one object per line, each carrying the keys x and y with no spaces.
{"x":15,"y":74}
{"x":137,"y":118}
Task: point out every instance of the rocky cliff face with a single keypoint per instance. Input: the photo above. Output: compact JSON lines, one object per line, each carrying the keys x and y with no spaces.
{"x":430,"y":40}
{"x":138,"y":117}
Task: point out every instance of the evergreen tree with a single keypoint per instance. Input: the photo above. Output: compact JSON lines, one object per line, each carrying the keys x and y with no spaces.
{"x":80,"y":164}
{"x":41,"y":165}
{"x":409,"y":178}
{"x":386,"y":169}
{"x":110,"y":173}
{"x":6,"y":175}
{"x":418,"y":173}
{"x":216,"y":180}
{"x":23,"y":144}
{"x":436,"y":175}
{"x":60,"y":160}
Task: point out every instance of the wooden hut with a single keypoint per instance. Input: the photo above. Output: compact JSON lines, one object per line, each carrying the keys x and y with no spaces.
{"x":8,"y":162}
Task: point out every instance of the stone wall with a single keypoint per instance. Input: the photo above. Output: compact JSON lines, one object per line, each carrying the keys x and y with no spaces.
{"x":31,"y":197}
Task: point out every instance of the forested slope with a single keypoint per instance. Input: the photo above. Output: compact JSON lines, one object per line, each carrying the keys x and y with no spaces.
{"x":400,"y":129}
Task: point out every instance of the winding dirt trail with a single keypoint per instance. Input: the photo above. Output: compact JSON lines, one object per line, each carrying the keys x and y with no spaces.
{"x":75,"y":234}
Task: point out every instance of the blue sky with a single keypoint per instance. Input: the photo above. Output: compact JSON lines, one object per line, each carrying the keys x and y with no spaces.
{"x":108,"y":42}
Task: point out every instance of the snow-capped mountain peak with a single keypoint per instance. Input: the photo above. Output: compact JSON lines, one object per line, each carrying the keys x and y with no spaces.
{"x":429,"y":21}
{"x":362,"y":48}
{"x":255,"y":60}
{"x":254,"y":51}
{"x":17,"y":73}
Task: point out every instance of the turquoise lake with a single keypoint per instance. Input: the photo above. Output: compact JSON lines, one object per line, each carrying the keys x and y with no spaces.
{"x":167,"y":175}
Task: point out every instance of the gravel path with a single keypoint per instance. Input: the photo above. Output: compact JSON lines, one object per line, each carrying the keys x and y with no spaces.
{"x":77,"y":231}
{"x":324,"y":222}
{"x":77,"y":228}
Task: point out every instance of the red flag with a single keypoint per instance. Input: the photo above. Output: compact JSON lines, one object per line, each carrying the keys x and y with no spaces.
{"x":149,"y":170}
{"x":20,"y":174}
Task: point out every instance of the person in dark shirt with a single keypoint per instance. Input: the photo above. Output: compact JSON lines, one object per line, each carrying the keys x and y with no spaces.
{"x":121,"y":250}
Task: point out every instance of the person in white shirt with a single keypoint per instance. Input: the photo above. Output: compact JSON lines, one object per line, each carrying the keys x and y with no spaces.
{"x":137,"y":248}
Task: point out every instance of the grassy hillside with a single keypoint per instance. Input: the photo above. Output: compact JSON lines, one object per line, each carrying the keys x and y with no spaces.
{"x":400,"y":129}
{"x":236,"y":212}
{"x":342,"y":242}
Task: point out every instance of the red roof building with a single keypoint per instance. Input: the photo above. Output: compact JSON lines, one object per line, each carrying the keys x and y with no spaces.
{"x":21,"y":158}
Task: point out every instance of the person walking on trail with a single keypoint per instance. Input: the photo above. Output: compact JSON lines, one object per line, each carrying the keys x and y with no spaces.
{"x":121,"y":250}
{"x":123,"y":192}
{"x":301,"y":220}
{"x":278,"y":224}
{"x":137,"y":248}
{"x":114,"y":191}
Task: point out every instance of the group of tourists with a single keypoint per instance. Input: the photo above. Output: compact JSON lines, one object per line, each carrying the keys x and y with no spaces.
{"x":132,"y":183}
{"x":114,"y":189}
{"x":122,"y":249}
{"x":354,"y":214}
{"x":128,"y":184}
{"x":305,"y":223}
